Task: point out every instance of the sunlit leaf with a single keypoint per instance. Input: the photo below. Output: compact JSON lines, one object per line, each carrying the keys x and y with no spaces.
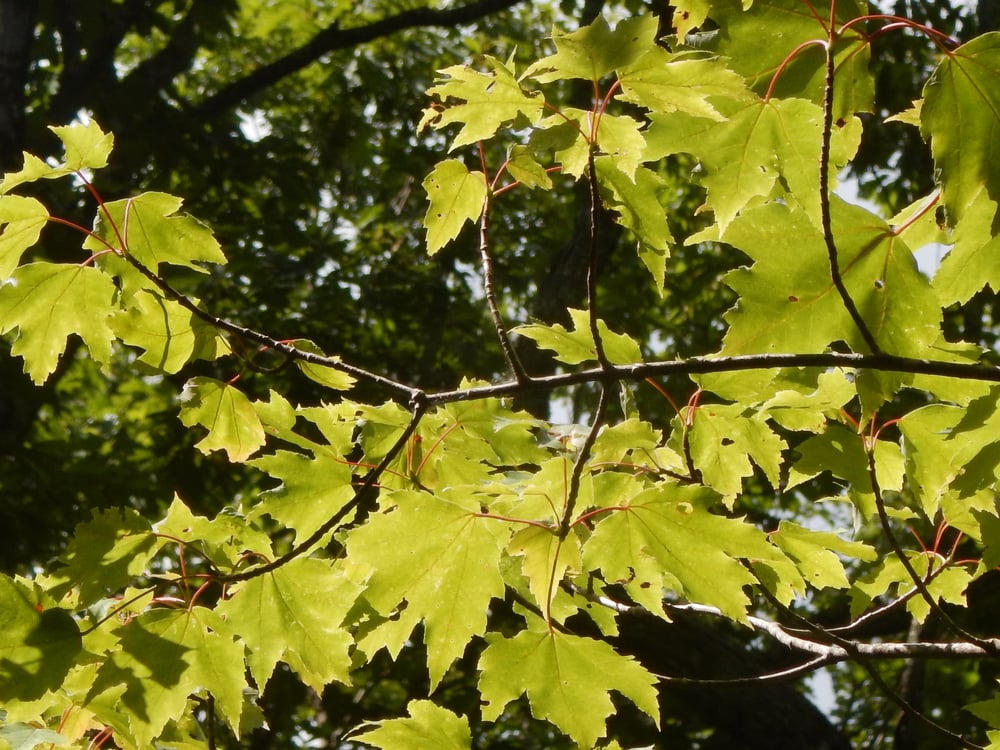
{"x":228,"y":415}
{"x":456,"y":196}
{"x":46,"y":302}
{"x":566,"y":678}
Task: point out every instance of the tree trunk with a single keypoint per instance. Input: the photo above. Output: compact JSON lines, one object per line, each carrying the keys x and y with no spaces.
{"x":17,"y":26}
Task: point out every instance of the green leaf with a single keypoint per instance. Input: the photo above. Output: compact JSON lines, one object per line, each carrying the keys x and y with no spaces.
{"x":524,"y":168}
{"x":294,"y":614}
{"x":46,"y":302}
{"x":972,"y":262}
{"x":811,"y":409}
{"x":724,"y":439}
{"x":225,"y":540}
{"x":312,"y":490}
{"x":428,"y":726}
{"x":757,"y":39}
{"x":456,"y":196}
{"x":960,"y":117}
{"x":39,"y":644}
{"x":596,"y":50}
{"x":567,"y":680}
{"x":788,"y":302}
{"x":86,"y":146}
{"x":842,"y":452}
{"x":946,"y":586}
{"x":163,"y":657}
{"x":546,"y":560}
{"x":577,"y":345}
{"x":636,"y":200}
{"x":170,"y":334}
{"x":817,"y":553}
{"x":935,"y":454}
{"x":688,"y":15}
{"x":442,"y":561}
{"x":666,"y":538}
{"x":107,"y":553}
{"x":664,"y":82}
{"x":21,"y":220}
{"x":22,"y":736}
{"x":154,"y":233}
{"x":488,"y":101}
{"x":328,"y":376}
{"x":228,"y":415}
{"x":745,"y":154}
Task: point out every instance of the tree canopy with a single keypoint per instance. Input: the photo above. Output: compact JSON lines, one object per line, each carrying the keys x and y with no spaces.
{"x":499,"y":374}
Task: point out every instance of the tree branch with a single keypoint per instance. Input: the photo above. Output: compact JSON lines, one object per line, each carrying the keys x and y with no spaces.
{"x":363,"y":496}
{"x":335,"y":38}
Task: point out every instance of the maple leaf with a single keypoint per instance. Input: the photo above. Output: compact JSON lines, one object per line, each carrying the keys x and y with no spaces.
{"x":85,"y":146}
{"x":39,"y":645}
{"x":595,"y":50}
{"x":428,"y":726}
{"x":440,"y":559}
{"x":723,"y":441}
{"x":758,"y":37}
{"x":635,"y":199}
{"x":328,"y":376}
{"x":155,"y":233}
{"x":163,"y":657}
{"x":48,"y":301}
{"x":106,"y":553}
{"x":487,"y":102}
{"x":566,"y":678}
{"x":224,"y":540}
{"x":524,"y":167}
{"x":788,"y":303}
{"x":21,"y":220}
{"x":960,"y":116}
{"x":757,"y":142}
{"x":972,"y":262}
{"x":577,"y":345}
{"x":665,"y":538}
{"x":232,"y":423}
{"x":841,"y":452}
{"x":817,"y":553}
{"x":311,"y":490}
{"x":684,"y":82}
{"x":171,"y":334}
{"x":456,"y":196}
{"x":294,"y":614}
{"x":546,"y":560}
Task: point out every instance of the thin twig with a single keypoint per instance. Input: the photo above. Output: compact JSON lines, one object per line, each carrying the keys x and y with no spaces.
{"x":824,"y":203}
{"x":595,"y":207}
{"x":581,"y":459}
{"x":366,"y":492}
{"x":918,"y":581}
{"x":263,"y":339}
{"x":486,"y":258}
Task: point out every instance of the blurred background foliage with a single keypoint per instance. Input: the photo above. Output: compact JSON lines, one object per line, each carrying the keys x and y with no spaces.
{"x":289,"y":126}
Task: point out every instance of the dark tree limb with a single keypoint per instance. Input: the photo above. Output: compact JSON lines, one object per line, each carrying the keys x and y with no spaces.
{"x":336,"y":38}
